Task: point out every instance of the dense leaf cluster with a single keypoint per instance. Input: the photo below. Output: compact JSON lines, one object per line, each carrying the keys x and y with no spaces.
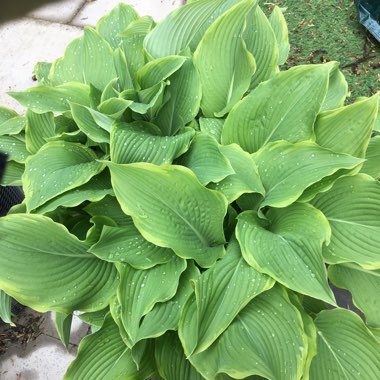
{"x":192,"y":201}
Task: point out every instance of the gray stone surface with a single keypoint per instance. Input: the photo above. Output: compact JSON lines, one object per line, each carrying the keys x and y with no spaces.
{"x":24,"y":42}
{"x":158,"y":9}
{"x":63,"y":11}
{"x":42,"y":359}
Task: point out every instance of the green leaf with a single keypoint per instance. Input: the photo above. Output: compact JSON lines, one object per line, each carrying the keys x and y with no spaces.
{"x":262,"y":43}
{"x":126,"y":244}
{"x":103,"y":355}
{"x":149,"y":100}
{"x":142,"y":142}
{"x":184,"y":27}
{"x":286,"y":170}
{"x":348,"y":129}
{"x":212,"y":126}
{"x":184,"y":95}
{"x":12,"y":126}
{"x":245,"y":179}
{"x":109,"y":206}
{"x":282,"y":108}
{"x":114,"y":107}
{"x":225,"y":65}
{"x":166,"y":315}
{"x":41,"y":72}
{"x":57,"y":167}
{"x":110,"y":25}
{"x":69,"y":67}
{"x":5,"y":308}
{"x":6,"y":114}
{"x":346,"y":349}
{"x":288,"y":247}
{"x":267,"y":333}
{"x":84,"y":117}
{"x":95,"y":318}
{"x":68,"y":278}
{"x":158,"y":70}
{"x":43,"y":98}
{"x":12,"y":174}
{"x":138,"y":291}
{"x":14,"y":148}
{"x":352,"y":208}
{"x":337,"y":91}
{"x":221,"y":293}
{"x":98,"y":66}
{"x":94,"y":190}
{"x":122,"y":70}
{"x":132,"y":44}
{"x":39,"y":128}
{"x":171,"y":361}
{"x":372,"y":164}
{"x":205,"y":159}
{"x":62,"y":322}
{"x":192,"y":214}
{"x":364,"y":285}
{"x":280,"y":29}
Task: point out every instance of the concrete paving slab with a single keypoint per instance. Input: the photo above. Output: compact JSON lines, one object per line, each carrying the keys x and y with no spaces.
{"x":60,"y":11}
{"x":93,"y":11}
{"x":41,"y":359}
{"x":24,"y":42}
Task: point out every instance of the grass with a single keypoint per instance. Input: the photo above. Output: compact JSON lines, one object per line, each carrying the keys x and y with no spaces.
{"x":329,"y":30}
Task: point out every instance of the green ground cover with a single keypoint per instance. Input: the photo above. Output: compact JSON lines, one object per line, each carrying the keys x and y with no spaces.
{"x":329,"y":30}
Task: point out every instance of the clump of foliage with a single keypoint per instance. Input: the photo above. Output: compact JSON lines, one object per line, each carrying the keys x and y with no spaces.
{"x":191,"y":201}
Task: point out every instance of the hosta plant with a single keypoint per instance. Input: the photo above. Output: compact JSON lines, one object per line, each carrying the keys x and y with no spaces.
{"x":193,"y":203}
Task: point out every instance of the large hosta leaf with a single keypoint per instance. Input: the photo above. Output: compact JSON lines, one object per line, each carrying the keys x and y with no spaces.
{"x":280,"y":29}
{"x":171,"y":361}
{"x":372,"y":164}
{"x":12,"y":126}
{"x":88,"y":124}
{"x":98,"y":66}
{"x":262,"y":43}
{"x":352,"y":208}
{"x":288,"y":247}
{"x":126,"y":244}
{"x":347,"y":129}
{"x":103,"y":355}
{"x":245,"y":178}
{"x":13,"y":173}
{"x":283,"y":108}
{"x":14,"y":147}
{"x":220,"y":294}
{"x":184,"y":95}
{"x":68,"y":278}
{"x":158,"y":70}
{"x":39,"y":128}
{"x":165,"y":315}
{"x":143,"y":142}
{"x":115,"y":22}
{"x":265,"y":335}
{"x":225,"y":65}
{"x":57,"y":167}
{"x":43,"y":98}
{"x":286,"y":170}
{"x":184,"y":27}
{"x":337,"y":91}
{"x":364,"y":286}
{"x":94,"y":190}
{"x":138,"y":291}
{"x":192,"y":215}
{"x":346,"y":349}
{"x":205,"y":159}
